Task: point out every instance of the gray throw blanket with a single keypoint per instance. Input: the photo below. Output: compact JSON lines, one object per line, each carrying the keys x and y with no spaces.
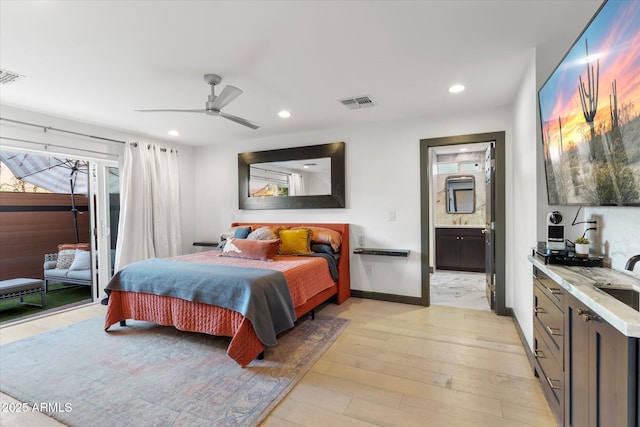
{"x":260,"y":295}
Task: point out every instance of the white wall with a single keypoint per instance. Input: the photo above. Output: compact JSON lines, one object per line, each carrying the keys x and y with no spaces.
{"x":520,"y":205}
{"x":382,"y":177}
{"x":64,"y":143}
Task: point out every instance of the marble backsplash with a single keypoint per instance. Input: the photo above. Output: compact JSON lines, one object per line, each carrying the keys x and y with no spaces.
{"x":444,"y":219}
{"x":619,"y":236}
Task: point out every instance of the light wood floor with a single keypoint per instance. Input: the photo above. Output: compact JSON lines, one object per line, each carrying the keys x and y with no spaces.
{"x":395,"y":365}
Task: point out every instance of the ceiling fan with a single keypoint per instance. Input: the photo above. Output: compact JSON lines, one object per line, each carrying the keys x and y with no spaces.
{"x":216,"y":103}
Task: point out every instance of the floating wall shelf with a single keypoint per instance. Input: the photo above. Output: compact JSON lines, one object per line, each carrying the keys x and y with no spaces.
{"x":384,"y":252}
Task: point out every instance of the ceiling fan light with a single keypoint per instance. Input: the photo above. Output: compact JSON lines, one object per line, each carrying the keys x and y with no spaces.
{"x":284,"y":114}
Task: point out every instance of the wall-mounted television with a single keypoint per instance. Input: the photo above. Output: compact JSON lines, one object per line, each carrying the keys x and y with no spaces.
{"x":590,"y":113}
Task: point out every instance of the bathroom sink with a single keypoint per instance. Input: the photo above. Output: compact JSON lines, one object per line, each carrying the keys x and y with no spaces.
{"x":629,"y":296}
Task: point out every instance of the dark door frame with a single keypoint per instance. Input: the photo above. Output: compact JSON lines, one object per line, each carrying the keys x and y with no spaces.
{"x":425,"y":200}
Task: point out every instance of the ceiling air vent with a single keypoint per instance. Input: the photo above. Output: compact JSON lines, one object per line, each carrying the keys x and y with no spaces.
{"x":8,"y":76}
{"x":357,"y":102}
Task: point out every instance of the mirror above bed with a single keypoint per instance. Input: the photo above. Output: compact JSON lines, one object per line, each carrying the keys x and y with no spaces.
{"x":308,"y":177}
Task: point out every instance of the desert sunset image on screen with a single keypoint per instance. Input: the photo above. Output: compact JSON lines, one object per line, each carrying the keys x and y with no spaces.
{"x":590,"y":113}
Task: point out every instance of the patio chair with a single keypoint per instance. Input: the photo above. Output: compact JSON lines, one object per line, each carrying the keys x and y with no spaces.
{"x":71,"y":265}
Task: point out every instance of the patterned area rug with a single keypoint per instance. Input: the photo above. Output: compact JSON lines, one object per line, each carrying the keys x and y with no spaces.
{"x":156,"y":375}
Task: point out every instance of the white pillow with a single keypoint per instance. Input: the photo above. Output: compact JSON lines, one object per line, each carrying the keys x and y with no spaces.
{"x":82,"y":261}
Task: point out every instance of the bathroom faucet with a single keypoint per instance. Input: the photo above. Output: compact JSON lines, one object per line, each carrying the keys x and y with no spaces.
{"x":632,"y":262}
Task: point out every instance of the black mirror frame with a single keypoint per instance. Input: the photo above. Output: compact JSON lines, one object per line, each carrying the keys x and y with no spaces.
{"x":473,"y":189}
{"x":335,"y":200}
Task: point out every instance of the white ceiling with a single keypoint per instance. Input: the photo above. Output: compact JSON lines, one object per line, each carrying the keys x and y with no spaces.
{"x":97,"y":61}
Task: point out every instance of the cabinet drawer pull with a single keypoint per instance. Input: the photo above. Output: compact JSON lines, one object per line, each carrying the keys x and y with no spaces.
{"x":585,"y":314}
{"x":553,"y":331}
{"x":552,"y":385}
{"x":554,"y":291}
{"x":538,"y":310}
{"x":539,"y":354}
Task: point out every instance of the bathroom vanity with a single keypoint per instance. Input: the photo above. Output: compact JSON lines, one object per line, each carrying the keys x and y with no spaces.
{"x":586,"y":350}
{"x":460,"y":248}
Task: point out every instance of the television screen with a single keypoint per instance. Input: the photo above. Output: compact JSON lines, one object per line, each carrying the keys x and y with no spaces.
{"x":590,"y":113}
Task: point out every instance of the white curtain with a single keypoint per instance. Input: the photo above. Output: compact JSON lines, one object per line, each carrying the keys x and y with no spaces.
{"x":149,"y":224}
{"x":296,"y":184}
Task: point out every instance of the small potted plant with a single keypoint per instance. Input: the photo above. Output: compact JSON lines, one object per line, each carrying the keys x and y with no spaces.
{"x":582,"y":246}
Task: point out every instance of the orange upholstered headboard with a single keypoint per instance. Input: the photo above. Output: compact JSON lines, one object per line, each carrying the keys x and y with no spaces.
{"x":344,"y":275}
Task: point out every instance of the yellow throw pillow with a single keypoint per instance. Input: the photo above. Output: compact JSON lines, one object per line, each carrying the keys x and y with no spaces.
{"x":295,"y":242}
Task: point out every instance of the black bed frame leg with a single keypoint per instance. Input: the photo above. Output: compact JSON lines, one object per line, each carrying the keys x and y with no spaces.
{"x":123,"y":323}
{"x":260,"y":356}
{"x":313,"y":314}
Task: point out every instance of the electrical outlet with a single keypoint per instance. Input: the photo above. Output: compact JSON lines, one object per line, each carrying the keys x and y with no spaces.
{"x":361,"y":241}
{"x":391,"y":215}
{"x":368,"y":269}
{"x":595,"y":223}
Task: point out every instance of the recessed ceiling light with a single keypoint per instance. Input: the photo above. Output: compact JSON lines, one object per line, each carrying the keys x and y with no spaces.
{"x":464,"y":149}
{"x":284,"y":114}
{"x":174,"y":132}
{"x":457,"y":88}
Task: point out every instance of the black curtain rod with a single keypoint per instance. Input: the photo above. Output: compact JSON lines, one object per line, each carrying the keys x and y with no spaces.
{"x":48,"y":128}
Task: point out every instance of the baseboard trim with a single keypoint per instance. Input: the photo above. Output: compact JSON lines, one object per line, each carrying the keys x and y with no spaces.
{"x":386,"y":297}
{"x":525,"y":344}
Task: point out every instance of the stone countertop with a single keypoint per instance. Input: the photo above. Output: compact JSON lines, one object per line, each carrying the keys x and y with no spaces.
{"x":579,"y":281}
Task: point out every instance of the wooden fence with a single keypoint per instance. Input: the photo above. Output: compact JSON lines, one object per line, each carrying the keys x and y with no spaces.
{"x":33,"y":224}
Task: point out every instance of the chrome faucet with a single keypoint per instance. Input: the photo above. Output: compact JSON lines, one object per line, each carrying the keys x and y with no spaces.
{"x":632,"y":262}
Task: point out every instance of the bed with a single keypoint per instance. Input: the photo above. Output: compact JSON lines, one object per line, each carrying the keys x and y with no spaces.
{"x":308,"y":279}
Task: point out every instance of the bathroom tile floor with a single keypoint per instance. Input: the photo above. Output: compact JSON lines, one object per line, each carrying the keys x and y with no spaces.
{"x":459,"y":289}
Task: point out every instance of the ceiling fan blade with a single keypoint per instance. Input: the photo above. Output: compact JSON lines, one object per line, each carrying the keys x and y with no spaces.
{"x":172,"y":111}
{"x":245,"y":122}
{"x":228,"y":94}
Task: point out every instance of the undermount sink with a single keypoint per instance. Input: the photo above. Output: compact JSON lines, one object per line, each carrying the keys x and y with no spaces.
{"x":629,"y":296}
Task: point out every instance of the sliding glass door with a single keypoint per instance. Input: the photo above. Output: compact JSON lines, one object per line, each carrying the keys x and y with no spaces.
{"x":106,"y":211}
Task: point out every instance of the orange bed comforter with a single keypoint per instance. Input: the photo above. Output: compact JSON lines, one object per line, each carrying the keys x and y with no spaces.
{"x":306,"y":277}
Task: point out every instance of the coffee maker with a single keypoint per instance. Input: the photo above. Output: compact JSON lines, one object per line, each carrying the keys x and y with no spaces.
{"x":555,"y":234}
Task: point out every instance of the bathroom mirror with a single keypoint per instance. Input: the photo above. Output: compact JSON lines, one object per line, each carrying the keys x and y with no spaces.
{"x":269,"y":179}
{"x":461,"y":194}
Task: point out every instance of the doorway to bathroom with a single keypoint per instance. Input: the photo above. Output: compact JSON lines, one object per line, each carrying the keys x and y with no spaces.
{"x":462,"y":225}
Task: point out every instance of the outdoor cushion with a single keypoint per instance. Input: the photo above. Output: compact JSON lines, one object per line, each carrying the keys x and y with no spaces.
{"x":79,"y":274}
{"x":56,"y":272}
{"x":65,"y":258}
{"x":82,"y":261}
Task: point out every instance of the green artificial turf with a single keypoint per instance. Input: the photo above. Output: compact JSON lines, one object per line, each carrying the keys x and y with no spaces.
{"x":58,"y":296}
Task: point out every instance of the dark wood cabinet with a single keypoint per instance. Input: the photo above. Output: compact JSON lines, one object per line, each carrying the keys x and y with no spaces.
{"x":588,"y":370}
{"x":601,"y":372}
{"x":548,"y":336}
{"x":461,"y":249}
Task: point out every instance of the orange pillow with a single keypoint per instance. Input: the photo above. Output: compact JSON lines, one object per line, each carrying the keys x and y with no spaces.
{"x":263,"y":250}
{"x":295,"y":242}
{"x":326,"y":236}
